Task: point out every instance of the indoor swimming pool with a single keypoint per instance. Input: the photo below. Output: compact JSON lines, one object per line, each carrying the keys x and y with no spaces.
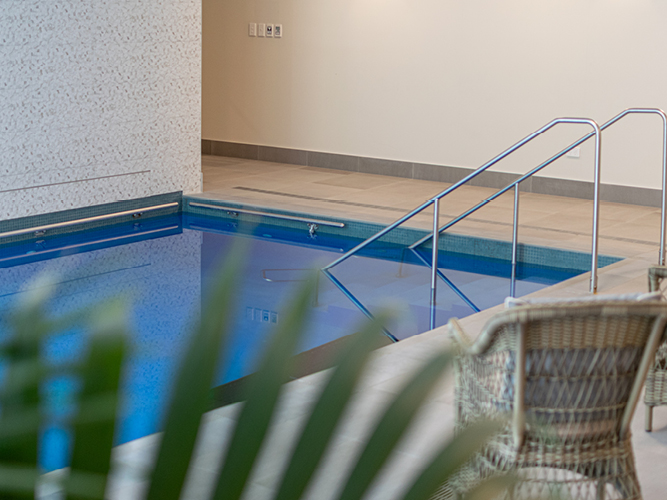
{"x":162,"y":265}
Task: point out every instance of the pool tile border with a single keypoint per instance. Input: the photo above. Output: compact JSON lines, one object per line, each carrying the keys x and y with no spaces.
{"x":35,"y":221}
{"x":470,"y":245}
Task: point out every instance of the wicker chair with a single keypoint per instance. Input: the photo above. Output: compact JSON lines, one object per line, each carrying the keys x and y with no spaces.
{"x":656,"y":381}
{"x":569,"y":376}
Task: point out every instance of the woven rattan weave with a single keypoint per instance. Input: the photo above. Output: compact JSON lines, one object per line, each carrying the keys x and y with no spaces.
{"x":567,"y":376}
{"x":656,"y":381}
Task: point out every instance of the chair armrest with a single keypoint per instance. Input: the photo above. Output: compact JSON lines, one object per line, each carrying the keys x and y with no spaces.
{"x":655,"y":275}
{"x":457,"y":334}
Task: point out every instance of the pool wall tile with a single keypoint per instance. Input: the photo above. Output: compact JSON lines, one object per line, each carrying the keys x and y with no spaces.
{"x":480,"y":247}
{"x":82,"y":213}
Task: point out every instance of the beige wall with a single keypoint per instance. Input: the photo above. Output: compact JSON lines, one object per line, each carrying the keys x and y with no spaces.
{"x":99,"y":102}
{"x":448,"y":82}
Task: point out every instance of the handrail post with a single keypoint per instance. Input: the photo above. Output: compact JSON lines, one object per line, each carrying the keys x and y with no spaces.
{"x":597,"y":131}
{"x":515,"y":237}
{"x":664,"y":187}
{"x":663,"y":116}
{"x":596,"y":208}
{"x":434,"y":258}
{"x":356,"y":302}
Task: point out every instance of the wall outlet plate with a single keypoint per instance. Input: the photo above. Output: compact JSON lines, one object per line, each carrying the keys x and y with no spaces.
{"x":252,"y":29}
{"x":261,"y":29}
{"x":269,"y":31}
{"x":278,"y":31}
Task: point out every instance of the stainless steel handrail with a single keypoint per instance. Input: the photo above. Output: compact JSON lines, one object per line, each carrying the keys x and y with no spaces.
{"x":58,"y":225}
{"x":444,"y":278}
{"x":262,"y":213}
{"x":487,"y":165}
{"x":515,"y":185}
{"x":449,"y":282}
{"x":357,"y":303}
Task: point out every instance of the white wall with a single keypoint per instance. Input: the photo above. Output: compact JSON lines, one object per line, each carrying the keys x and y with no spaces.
{"x":449,"y":82}
{"x":99,"y":101}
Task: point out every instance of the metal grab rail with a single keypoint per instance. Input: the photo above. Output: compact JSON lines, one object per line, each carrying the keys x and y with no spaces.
{"x":436,"y":199}
{"x":548,"y":162}
{"x":449,"y":283}
{"x":357,"y":303}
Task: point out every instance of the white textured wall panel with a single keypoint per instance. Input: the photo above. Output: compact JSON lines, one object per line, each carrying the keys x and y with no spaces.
{"x":100,"y":101}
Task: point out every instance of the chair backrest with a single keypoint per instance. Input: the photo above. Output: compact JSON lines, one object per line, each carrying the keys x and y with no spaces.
{"x":573,"y":370}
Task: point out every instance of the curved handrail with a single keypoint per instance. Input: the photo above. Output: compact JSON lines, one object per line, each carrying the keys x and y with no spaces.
{"x":562,"y":153}
{"x":357,"y":303}
{"x":427,"y":203}
{"x":436,"y":231}
{"x":515,"y":185}
{"x":434,"y":200}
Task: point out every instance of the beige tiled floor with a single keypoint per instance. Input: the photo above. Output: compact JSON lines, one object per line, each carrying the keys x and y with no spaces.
{"x":627,"y":231}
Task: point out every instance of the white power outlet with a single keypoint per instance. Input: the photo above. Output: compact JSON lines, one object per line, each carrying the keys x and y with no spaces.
{"x":252,"y":29}
{"x":261,"y":29}
{"x":269,"y":31}
{"x":278,"y":31}
{"x":574,"y":153}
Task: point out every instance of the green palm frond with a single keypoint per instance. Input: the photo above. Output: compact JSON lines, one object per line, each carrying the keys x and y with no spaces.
{"x":22,"y":416}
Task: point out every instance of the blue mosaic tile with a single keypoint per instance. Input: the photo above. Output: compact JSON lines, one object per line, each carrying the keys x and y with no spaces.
{"x":36,"y":221}
{"x":469,"y":245}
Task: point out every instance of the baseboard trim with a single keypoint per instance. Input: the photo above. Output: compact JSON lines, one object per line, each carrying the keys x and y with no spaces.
{"x":442,"y":173}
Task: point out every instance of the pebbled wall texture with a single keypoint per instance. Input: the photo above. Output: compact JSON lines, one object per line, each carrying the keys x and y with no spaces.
{"x":100,"y":101}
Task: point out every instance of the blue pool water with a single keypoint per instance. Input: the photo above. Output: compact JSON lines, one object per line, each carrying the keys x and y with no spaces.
{"x":162,"y":265}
